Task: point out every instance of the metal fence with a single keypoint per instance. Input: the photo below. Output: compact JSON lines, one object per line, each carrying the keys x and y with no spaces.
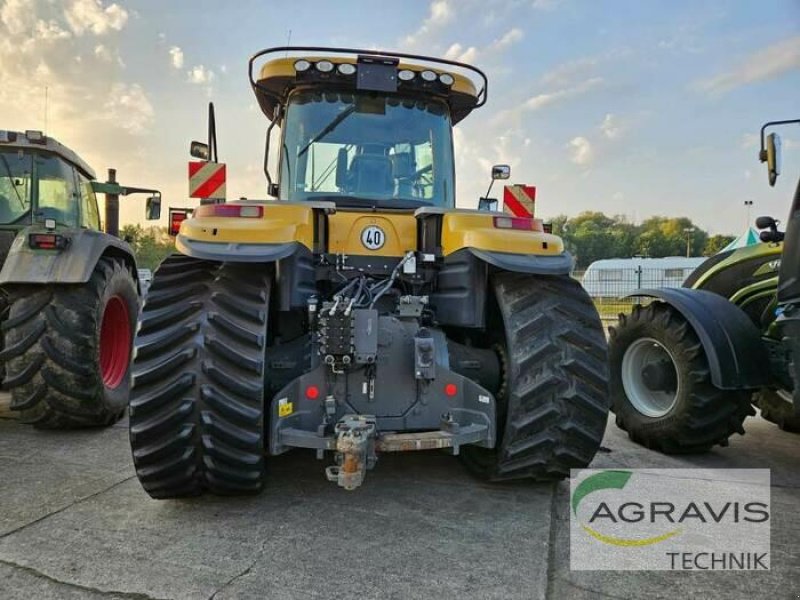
{"x":609,"y":288}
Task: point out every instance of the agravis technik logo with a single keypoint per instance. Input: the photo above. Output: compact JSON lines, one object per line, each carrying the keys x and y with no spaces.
{"x":670,"y":519}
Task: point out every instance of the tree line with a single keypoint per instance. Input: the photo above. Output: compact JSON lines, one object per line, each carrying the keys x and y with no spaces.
{"x":592,"y":236}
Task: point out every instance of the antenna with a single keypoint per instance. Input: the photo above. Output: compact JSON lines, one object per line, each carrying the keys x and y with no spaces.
{"x":288,"y":42}
{"x":45,"y":110}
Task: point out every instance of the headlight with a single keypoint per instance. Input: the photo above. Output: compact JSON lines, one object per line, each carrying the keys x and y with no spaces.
{"x":302,"y":65}
{"x":446,"y":79}
{"x":346,"y":69}
{"x":324,"y":66}
{"x":406,"y":75}
{"x":428,"y":76}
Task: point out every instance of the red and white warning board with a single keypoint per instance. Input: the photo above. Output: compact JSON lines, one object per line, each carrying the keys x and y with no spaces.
{"x":519,"y":200}
{"x":206,"y":179}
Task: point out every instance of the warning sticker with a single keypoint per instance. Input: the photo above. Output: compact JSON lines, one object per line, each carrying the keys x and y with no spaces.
{"x":285,"y":408}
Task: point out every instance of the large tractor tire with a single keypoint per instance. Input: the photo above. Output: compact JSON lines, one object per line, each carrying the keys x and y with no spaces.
{"x":661,"y":387}
{"x":67,"y":349}
{"x":553,"y":407}
{"x":778,"y":409}
{"x":197,"y":400}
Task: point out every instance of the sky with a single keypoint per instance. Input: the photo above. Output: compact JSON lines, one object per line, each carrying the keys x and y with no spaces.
{"x":628,"y":107}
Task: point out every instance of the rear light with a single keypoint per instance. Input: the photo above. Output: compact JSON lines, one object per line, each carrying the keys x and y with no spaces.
{"x":47,"y":241}
{"x":451,"y":389}
{"x":229,"y":210}
{"x":523,"y":223}
{"x":176,"y":217}
{"x":312,"y":392}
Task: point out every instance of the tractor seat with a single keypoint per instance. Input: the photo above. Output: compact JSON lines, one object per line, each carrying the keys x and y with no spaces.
{"x":371,"y":174}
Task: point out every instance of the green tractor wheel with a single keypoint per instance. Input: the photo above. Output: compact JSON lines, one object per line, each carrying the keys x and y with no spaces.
{"x":67,"y":349}
{"x":661,"y":387}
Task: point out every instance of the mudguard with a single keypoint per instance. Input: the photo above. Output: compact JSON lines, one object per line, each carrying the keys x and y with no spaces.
{"x":558,"y":264}
{"x":736,"y":356}
{"x":75,"y":264}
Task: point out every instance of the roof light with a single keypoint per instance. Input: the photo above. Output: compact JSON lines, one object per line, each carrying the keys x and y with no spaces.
{"x":428,"y":76}
{"x":406,"y":75}
{"x":34,"y":136}
{"x":324,"y":66}
{"x":302,"y":65}
{"x":523,"y":223}
{"x":229,"y":210}
{"x":446,"y":79}
{"x":346,"y":69}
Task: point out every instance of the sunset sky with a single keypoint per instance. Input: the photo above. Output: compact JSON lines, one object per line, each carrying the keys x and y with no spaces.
{"x":624,"y":106}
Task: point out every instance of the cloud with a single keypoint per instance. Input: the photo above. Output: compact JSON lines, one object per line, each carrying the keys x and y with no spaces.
{"x":512,"y":36}
{"x":176,"y":57}
{"x":611,"y":127}
{"x":768,"y":63}
{"x":581,"y":151}
{"x":128,"y":105}
{"x":440,"y":13}
{"x":541,"y":101}
{"x":200,"y":75}
{"x":457,"y":52}
{"x":91,"y":16}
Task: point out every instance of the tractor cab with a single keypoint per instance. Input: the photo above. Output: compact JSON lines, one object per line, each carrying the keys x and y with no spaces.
{"x":40,"y":179}
{"x":369,"y":130}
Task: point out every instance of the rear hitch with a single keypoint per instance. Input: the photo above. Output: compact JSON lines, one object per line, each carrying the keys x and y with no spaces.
{"x":355,"y":451}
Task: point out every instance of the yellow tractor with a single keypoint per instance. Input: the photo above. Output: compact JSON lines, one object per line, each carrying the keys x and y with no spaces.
{"x":361,"y":312}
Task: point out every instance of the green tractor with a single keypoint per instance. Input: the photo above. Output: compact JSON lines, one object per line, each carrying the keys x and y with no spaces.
{"x":687,"y":368}
{"x":69,"y":291}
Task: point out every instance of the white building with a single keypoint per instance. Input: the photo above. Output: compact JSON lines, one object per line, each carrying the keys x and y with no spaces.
{"x":617,"y":277}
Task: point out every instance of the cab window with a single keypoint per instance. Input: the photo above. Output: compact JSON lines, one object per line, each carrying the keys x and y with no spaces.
{"x":57,"y":195}
{"x":90,"y":215}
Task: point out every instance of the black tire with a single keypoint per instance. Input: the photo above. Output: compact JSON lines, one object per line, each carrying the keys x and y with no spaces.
{"x":197,"y":399}
{"x":52,"y":349}
{"x":777,"y":410}
{"x":553,"y":409}
{"x":701,"y":414}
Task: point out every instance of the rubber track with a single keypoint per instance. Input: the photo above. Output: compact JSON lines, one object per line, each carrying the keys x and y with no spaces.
{"x":50,"y":353}
{"x":711,"y":415}
{"x":555,"y":412}
{"x":197,"y":400}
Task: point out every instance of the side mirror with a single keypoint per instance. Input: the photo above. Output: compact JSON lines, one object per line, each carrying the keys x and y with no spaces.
{"x":501,"y":172}
{"x":773,"y":157}
{"x":153,"y":208}
{"x":766,"y":223}
{"x":199,"y":150}
{"x":488,"y":204}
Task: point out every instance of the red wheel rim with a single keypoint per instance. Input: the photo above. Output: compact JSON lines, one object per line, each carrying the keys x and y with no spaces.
{"x":115,"y":342}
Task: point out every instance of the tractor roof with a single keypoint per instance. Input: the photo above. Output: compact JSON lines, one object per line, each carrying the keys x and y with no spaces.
{"x":382,"y":72}
{"x":37,"y":141}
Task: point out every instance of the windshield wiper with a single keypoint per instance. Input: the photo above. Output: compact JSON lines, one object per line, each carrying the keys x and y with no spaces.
{"x":11,"y":179}
{"x":328,"y":128}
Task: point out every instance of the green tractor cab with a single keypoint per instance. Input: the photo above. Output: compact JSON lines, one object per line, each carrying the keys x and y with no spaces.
{"x":687,"y":367}
{"x":69,"y":293}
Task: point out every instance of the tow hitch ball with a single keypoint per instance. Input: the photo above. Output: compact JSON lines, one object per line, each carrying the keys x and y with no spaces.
{"x":355,"y":451}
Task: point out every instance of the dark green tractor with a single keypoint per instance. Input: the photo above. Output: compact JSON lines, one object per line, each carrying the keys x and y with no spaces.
{"x":687,"y":367}
{"x":69,"y":293}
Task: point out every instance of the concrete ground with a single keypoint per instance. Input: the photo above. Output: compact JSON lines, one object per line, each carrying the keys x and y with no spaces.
{"x":74,"y":523}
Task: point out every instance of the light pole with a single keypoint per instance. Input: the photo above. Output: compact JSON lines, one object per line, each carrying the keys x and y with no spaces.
{"x":689,"y":231}
{"x":747,"y":205}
